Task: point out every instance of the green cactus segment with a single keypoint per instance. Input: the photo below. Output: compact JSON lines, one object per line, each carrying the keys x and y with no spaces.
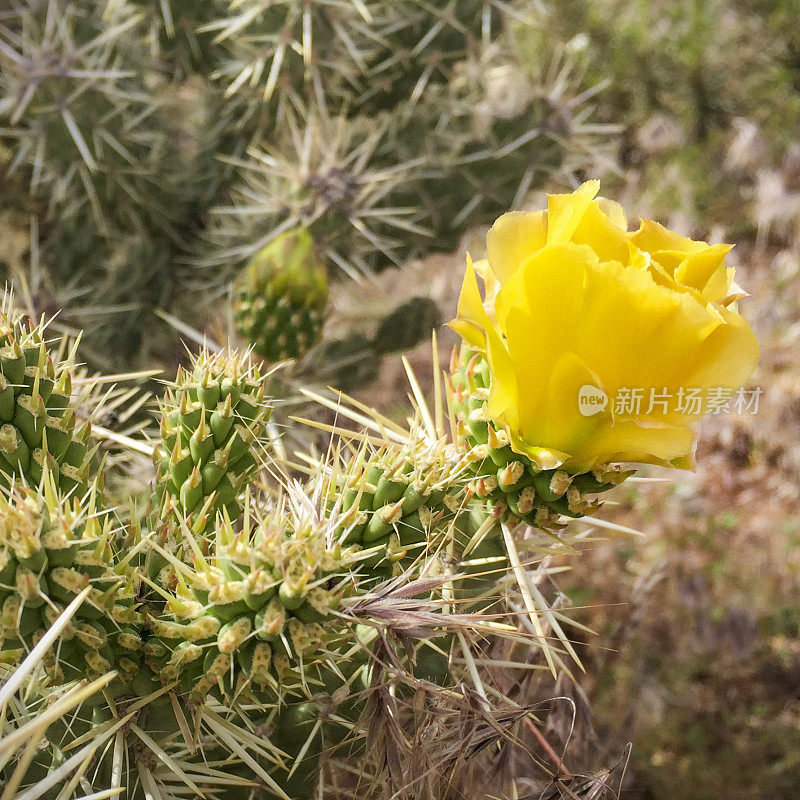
{"x":390,"y":501}
{"x":37,"y":415}
{"x":257,"y":611}
{"x":407,"y":325}
{"x":212,"y":419}
{"x":280,"y":302}
{"x":510,"y":484}
{"x":480,"y":553}
{"x":51,"y":548}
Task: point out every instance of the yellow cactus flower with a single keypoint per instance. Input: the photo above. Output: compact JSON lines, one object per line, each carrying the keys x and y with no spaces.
{"x":575,"y":303}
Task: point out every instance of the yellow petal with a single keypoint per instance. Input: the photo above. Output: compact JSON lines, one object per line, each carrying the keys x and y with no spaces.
{"x":706,"y":272}
{"x":475,"y":326}
{"x":627,"y":440}
{"x":563,"y":425}
{"x":638,"y":259}
{"x":614,"y":211}
{"x":609,"y":241}
{"x":471,"y":334}
{"x":652,"y":238}
{"x":470,"y":303}
{"x":634,"y":332}
{"x":482,"y":268}
{"x":565,"y":211}
{"x":727,"y":356}
{"x":534,"y":309}
{"x":504,"y":395}
{"x":513,"y":238}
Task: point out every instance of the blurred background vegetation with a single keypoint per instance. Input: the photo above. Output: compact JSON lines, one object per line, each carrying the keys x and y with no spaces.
{"x":151,"y":149}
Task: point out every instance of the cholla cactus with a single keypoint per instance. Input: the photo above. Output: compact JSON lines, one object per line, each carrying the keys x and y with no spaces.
{"x":393,"y":500}
{"x":257,"y":611}
{"x":370,"y":189}
{"x":335,"y":619}
{"x":81,"y":133}
{"x":280,"y":605}
{"x":335,"y":177}
{"x":86,"y":115}
{"x":278,"y":48}
{"x":405,"y":105}
{"x":39,"y":430}
{"x":213,"y":416}
{"x":407,"y":325}
{"x":178,"y":28}
{"x":52,"y":548}
{"x":280,"y":299}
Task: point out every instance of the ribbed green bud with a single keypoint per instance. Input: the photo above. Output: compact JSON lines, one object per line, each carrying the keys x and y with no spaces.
{"x":213,"y":417}
{"x":37,"y":413}
{"x":509,"y":484}
{"x":51,"y":549}
{"x":281,"y":297}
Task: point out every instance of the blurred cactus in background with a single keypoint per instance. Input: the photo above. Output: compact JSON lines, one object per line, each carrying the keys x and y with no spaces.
{"x":86,"y":123}
{"x":407,"y":325}
{"x":413,"y":110}
{"x":154,"y":148}
{"x":353,"y":359}
{"x":280,"y":299}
